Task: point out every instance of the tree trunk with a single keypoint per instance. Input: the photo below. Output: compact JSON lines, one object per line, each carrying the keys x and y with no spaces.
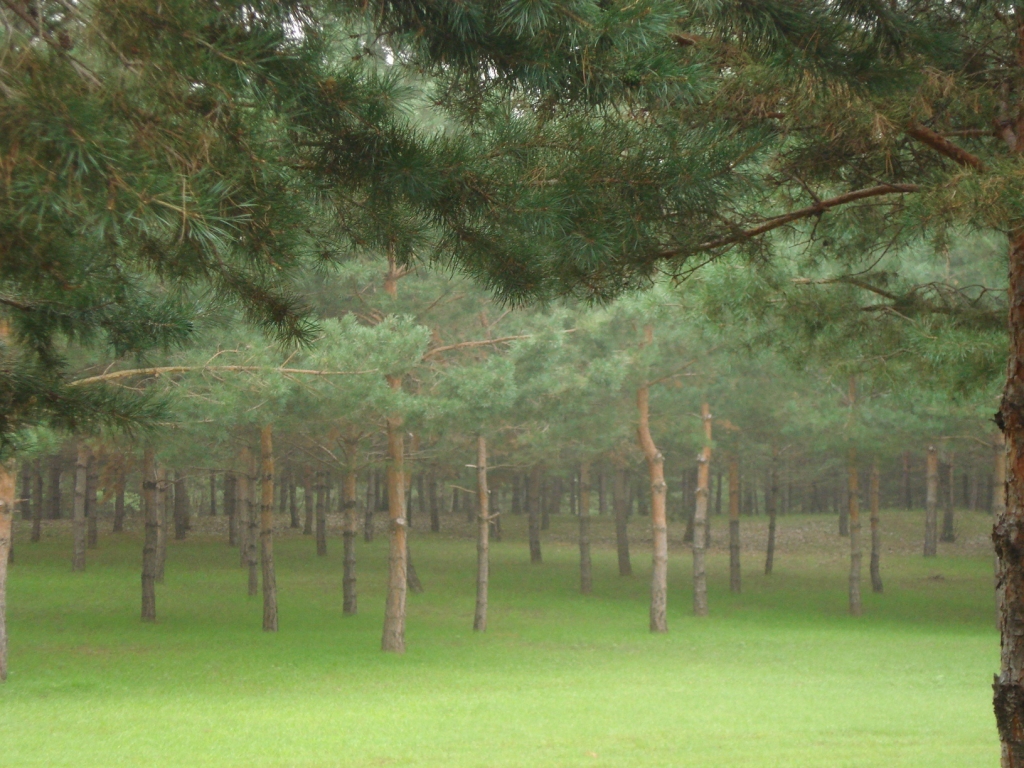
{"x":149,"y":513}
{"x":533,"y":504}
{"x":92,"y":513}
{"x":393,"y":637}
{"x":855,"y":554}
{"x":948,"y":532}
{"x":602,"y":491}
{"x":348,"y":496}
{"x":78,"y":510}
{"x":37,"y":508}
{"x":907,"y":496}
{"x":583,"y":500}
{"x":213,"y":493}
{"x":119,"y":484}
{"x":700,"y":519}
{"x":231,"y":506}
{"x":718,"y":492}
{"x":771,"y":506}
{"x":7,"y":495}
{"x":267,"y":530}
{"x":620,"y":505}
{"x":876,"y":541}
{"x":322,"y":480}
{"x":735,"y":581}
{"x":293,"y":503}
{"x":252,"y":521}
{"x":931,"y":504}
{"x":24,"y":499}
{"x":55,"y":472}
{"x":435,"y":507}
{"x":659,"y":525}
{"x":161,"y":529}
{"x":308,"y":501}
{"x":844,"y":518}
{"x":182,"y":521}
{"x":483,"y":532}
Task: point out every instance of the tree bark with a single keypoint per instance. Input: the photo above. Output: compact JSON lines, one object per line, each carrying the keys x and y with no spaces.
{"x":907,"y":497}
{"x":55,"y":472}
{"x":149,"y":513}
{"x":948,"y":527}
{"x":659,"y":525}
{"x":322,"y":480}
{"x":7,"y":495}
{"x":119,"y":484}
{"x":267,"y":530}
{"x":78,"y":510}
{"x":308,"y":501}
{"x":161,"y":529}
{"x":37,"y":508}
{"x":348,"y":496}
{"x":231,"y":506}
{"x":393,"y":637}
{"x":92,"y":481}
{"x":855,"y":553}
{"x":533,"y":503}
{"x":876,"y":541}
{"x":771,"y":507}
{"x":372,"y":480}
{"x":435,"y":507}
{"x":213,"y":493}
{"x":293,"y":503}
{"x":252,"y":523}
{"x":931,"y":504}
{"x":583,"y":501}
{"x":483,"y":532}
{"x":735,"y":580}
{"x":182,"y":522}
{"x":24,"y":499}
{"x":700,"y":519}
{"x":620,"y":504}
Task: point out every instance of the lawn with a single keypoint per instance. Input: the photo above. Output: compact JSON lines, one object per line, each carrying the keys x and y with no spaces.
{"x":777,"y":676}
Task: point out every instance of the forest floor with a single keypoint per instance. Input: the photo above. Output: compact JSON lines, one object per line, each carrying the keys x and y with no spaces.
{"x":777,"y":676}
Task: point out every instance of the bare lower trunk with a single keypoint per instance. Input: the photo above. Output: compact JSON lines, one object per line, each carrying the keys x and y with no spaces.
{"x":231,"y":506}
{"x":293,"y":503}
{"x":659,"y":525}
{"x":252,"y":520}
{"x":876,"y":541}
{"x":322,"y":480}
{"x":620,"y":505}
{"x":483,"y":532}
{"x":855,"y":554}
{"x":308,"y":502}
{"x":583,"y":499}
{"x":149,"y":514}
{"x":348,"y":497}
{"x":92,"y":481}
{"x":735,"y":581}
{"x":182,"y":523}
{"x":533,"y":503}
{"x":119,"y":484}
{"x":267,"y":530}
{"x":54,"y":496}
{"x":435,"y":507}
{"x":78,"y":510}
{"x":372,"y":481}
{"x":412,"y":579}
{"x":771,"y":506}
{"x":700,"y":519}
{"x":7,"y":494}
{"x":948,"y":527}
{"x":931,"y":505}
{"x":907,"y":498}
{"x":161,"y":528}
{"x":213,"y":493}
{"x":393,"y":637}
{"x":37,"y":508}
{"x":24,"y":499}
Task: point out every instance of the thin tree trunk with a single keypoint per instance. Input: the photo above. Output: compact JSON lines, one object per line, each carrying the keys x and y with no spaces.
{"x":412,"y":578}
{"x":907,"y":496}
{"x":24,"y":500}
{"x":182,"y":516}
{"x":602,"y":491}
{"x":948,"y":532}
{"x":267,"y":530}
{"x":620,"y":505}
{"x":213,"y":493}
{"x":92,"y":481}
{"x":37,"y":508}
{"x":771,"y":507}
{"x":119,"y":484}
{"x":999,"y":494}
{"x":7,"y":495}
{"x":231,"y":506}
{"x":348,"y":496}
{"x":718,"y":492}
{"x":533,"y":503}
{"x":393,"y":637}
{"x":322,"y":480}
{"x":252,"y":521}
{"x":583,"y":500}
{"x":55,"y":472}
{"x":855,"y":554}
{"x":78,"y":510}
{"x":149,"y":546}
{"x":931,"y":504}
{"x":735,"y":581}
{"x":293,"y":503}
{"x":659,"y":525}
{"x":876,"y":540}
{"x":844,"y":519}
{"x":371,"y":505}
{"x":161,"y":530}
{"x":483,"y":532}
{"x":700,"y":519}
{"x":435,"y":507}
{"x":308,"y":502}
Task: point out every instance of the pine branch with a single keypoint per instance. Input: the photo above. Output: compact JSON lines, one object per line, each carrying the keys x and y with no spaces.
{"x":944,"y":146}
{"x":169,"y":369}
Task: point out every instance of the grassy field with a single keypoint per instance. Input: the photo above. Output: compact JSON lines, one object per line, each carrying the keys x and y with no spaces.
{"x":777,"y":676}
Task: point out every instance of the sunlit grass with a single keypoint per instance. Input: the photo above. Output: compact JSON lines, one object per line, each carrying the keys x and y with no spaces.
{"x":777,"y":676}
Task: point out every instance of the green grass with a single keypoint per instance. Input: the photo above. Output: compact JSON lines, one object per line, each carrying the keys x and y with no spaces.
{"x":777,"y":676}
